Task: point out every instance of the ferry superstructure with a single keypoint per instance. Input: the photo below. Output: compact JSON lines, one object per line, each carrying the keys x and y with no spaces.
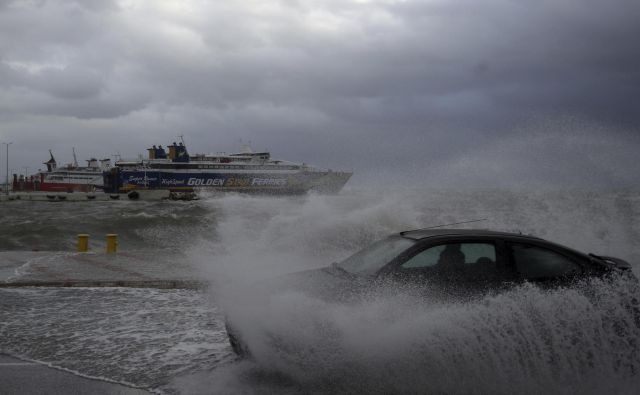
{"x":246,"y":172}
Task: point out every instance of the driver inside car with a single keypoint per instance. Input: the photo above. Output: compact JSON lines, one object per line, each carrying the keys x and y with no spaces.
{"x":451,"y":257}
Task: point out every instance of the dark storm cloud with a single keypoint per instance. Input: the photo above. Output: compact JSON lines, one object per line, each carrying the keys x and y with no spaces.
{"x":362,"y":84}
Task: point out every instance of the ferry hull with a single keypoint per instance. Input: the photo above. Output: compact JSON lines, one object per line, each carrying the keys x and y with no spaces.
{"x":266,"y":183}
{"x":64,"y":187}
{"x":35,"y":184}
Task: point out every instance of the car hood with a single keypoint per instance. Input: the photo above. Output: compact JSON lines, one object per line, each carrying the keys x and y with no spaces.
{"x":619,"y":263}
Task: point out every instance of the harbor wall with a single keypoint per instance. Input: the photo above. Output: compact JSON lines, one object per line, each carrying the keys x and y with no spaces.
{"x":86,"y":196}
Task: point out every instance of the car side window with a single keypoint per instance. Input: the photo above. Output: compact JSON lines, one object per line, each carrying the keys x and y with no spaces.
{"x":533,"y":262}
{"x":426,"y":258}
{"x":453,"y":255}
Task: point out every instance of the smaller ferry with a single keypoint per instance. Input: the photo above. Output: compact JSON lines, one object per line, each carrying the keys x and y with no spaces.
{"x":245,"y":172}
{"x":69,"y":178}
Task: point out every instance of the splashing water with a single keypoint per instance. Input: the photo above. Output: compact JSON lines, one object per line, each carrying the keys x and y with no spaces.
{"x":576,"y":340}
{"x":584,"y":339}
{"x":527,"y":340}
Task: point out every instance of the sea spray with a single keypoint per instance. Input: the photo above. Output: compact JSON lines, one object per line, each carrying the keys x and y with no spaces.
{"x":526,"y":340}
{"x":581,"y":339}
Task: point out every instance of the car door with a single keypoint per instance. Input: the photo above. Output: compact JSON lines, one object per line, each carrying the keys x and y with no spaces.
{"x":455,"y":267}
{"x":544,"y":265}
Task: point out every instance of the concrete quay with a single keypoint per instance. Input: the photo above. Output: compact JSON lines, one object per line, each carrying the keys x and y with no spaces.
{"x":98,"y":196}
{"x":90,"y":269}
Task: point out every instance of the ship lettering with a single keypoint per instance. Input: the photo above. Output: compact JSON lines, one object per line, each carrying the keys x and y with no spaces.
{"x":196,"y":182}
{"x":269,"y":182}
{"x":237,"y":182}
{"x":172,"y":181}
{"x":141,"y":180}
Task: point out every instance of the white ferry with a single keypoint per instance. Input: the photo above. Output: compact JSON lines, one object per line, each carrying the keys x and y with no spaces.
{"x":247,"y":172}
{"x":69,"y":178}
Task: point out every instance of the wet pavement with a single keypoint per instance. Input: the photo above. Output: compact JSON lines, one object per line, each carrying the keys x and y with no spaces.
{"x":130,"y":318}
{"x":94,"y":269}
{"x":19,"y":377}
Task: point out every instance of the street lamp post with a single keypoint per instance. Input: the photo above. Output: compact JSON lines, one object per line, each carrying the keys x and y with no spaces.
{"x":6,"y":186}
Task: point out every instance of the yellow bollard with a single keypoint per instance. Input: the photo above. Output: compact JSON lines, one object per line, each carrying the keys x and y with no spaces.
{"x":112,"y":243}
{"x":83,"y":242}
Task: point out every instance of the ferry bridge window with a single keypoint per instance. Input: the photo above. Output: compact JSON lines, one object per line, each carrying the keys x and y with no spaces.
{"x":453,"y":255}
{"x":533,"y":262}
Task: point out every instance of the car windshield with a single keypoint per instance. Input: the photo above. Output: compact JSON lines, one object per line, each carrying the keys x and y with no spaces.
{"x":373,"y":257}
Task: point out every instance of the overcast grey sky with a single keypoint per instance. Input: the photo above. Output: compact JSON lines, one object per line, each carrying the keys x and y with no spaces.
{"x":489,"y":93}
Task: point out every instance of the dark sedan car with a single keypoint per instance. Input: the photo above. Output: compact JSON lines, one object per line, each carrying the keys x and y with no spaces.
{"x":449,"y":263}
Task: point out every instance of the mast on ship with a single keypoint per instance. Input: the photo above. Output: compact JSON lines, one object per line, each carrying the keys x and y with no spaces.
{"x":75,"y":160}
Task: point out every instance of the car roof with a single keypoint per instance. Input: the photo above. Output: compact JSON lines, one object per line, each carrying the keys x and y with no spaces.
{"x":420,"y":234}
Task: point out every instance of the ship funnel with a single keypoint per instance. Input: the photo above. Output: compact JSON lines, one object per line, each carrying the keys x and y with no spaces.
{"x":51,"y":163}
{"x":178,"y":153}
{"x":161,"y":153}
{"x":157,"y":152}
